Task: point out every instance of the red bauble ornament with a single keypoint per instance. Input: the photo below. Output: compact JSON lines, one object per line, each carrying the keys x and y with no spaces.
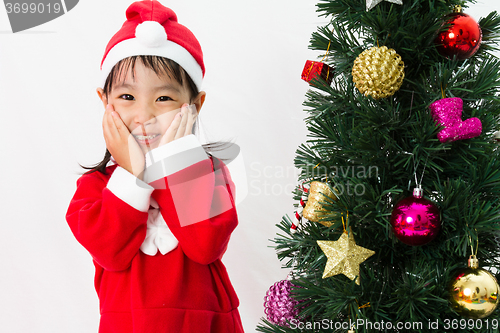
{"x":462,"y":38}
{"x":415,"y":220}
{"x":314,"y":70}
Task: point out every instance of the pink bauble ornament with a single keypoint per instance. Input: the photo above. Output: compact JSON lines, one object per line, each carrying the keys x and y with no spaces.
{"x":279,"y":305}
{"x":448,"y":113}
{"x":415,"y":220}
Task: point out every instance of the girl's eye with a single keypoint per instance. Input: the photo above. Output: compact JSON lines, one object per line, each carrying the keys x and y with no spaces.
{"x":127,"y":97}
{"x":164,"y":99}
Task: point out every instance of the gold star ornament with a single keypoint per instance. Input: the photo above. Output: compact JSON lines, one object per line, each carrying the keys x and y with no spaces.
{"x":344,"y":256}
{"x":372,"y":3}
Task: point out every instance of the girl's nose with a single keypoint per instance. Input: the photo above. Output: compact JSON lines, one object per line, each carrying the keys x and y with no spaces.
{"x":144,"y":114}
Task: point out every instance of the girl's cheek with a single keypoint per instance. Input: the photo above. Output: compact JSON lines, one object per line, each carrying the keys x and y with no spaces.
{"x":125,"y":117}
{"x":123,"y":109}
{"x":166,"y":119}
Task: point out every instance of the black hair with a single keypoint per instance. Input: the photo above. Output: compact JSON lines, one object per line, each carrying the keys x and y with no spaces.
{"x":161,"y":66}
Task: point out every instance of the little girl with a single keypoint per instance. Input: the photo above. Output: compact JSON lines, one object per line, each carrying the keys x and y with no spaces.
{"x":158,"y":220}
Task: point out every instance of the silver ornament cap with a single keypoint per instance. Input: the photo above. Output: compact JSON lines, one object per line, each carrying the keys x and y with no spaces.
{"x":418,"y":192}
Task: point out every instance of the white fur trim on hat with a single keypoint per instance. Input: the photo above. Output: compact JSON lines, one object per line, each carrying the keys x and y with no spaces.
{"x":152,"y":45}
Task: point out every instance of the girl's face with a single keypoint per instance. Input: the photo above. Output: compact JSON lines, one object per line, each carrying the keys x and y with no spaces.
{"x":148,"y":103}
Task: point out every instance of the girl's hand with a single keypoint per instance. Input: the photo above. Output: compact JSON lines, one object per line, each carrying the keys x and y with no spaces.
{"x":121,"y":144}
{"x":182,"y":124}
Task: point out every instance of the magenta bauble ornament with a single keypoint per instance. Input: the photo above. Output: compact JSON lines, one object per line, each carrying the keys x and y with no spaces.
{"x":462,"y":37}
{"x":415,"y":220}
{"x":279,"y":306}
{"x":448,"y":113}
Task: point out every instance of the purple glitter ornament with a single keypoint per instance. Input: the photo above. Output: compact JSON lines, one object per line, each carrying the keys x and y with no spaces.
{"x":448,"y":113}
{"x":279,"y":305}
{"x":415,"y":220}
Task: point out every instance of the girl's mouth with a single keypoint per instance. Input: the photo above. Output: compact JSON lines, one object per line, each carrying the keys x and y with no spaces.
{"x":147,"y":140}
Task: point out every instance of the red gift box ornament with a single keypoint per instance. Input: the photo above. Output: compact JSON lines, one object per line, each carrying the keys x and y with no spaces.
{"x":315,"y":70}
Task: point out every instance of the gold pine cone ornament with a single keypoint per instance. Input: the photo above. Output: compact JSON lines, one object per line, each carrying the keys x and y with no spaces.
{"x":378,"y":72}
{"x":314,"y":210}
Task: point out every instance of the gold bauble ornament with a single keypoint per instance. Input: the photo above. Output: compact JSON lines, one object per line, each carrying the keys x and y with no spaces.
{"x":344,"y":256}
{"x":314,"y":211}
{"x":378,"y":72}
{"x":474,"y":291}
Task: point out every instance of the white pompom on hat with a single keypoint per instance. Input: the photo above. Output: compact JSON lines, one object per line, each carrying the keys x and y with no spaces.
{"x":151,"y":34}
{"x":152,"y":29}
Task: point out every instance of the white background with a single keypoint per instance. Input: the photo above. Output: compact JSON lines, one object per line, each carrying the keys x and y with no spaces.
{"x":51,"y":121}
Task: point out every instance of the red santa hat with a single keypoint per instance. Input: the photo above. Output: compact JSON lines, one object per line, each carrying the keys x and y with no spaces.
{"x":152,"y":29}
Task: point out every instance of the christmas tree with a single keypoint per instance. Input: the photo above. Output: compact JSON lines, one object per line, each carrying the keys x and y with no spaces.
{"x":400,"y":176}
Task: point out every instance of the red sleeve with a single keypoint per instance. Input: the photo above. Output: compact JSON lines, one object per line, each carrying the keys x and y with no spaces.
{"x":108,"y":227}
{"x":196,"y":201}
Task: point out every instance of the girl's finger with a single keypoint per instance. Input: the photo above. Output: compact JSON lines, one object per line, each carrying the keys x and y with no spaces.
{"x":120,"y":126}
{"x":108,"y":127}
{"x":172,"y":129}
{"x":182,"y":126}
{"x":105,"y":128}
{"x":192,"y":114}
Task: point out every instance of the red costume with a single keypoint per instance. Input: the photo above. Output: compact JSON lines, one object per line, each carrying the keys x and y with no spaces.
{"x":186,"y":289}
